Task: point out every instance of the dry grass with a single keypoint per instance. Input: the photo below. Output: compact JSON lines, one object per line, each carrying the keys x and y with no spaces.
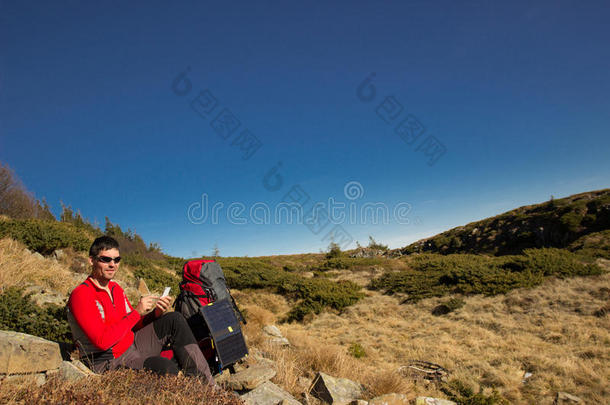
{"x":118,"y":387}
{"x":549,"y":331}
{"x":18,"y":268}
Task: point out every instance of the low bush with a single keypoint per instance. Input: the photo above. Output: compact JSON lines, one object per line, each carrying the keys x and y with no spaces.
{"x":435,"y":275}
{"x":44,"y":236}
{"x":20,"y":314}
{"x":311,"y":295}
{"x":459,"y":392}
{"x":357,"y":350}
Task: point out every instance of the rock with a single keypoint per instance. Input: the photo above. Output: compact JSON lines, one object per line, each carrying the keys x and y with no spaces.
{"x":280,"y":341}
{"x":359,"y":402}
{"x":269,"y":394}
{"x":73,"y":371}
{"x":21,"y":379}
{"x":58,"y":254}
{"x":275,"y":336}
{"x":41,"y":296}
{"x":250,"y":378}
{"x":38,"y":255}
{"x":272,"y":330}
{"x":390,"y":399}
{"x":21,"y":353}
{"x":223,"y":377}
{"x":563,"y":398}
{"x":433,"y":401}
{"x":335,"y":390}
{"x":142,"y":287}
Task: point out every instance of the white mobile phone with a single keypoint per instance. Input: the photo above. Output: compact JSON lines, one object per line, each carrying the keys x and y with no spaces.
{"x":166,"y":291}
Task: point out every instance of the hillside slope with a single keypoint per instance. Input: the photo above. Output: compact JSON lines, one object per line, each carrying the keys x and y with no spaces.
{"x":555,"y":223}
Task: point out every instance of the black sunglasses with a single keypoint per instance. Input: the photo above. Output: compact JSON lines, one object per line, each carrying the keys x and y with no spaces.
{"x":106,"y":259}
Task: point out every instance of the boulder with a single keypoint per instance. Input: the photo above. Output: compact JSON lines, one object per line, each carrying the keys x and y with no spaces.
{"x":272,"y":330}
{"x":335,"y":390}
{"x":274,"y":336}
{"x":22,"y":379}
{"x":21,"y":353}
{"x":563,"y":398}
{"x":41,"y":296}
{"x":58,"y":254}
{"x":73,"y":370}
{"x":269,"y":394}
{"x":37,"y":255}
{"x":390,"y":399}
{"x":250,"y":378}
{"x":433,"y":401}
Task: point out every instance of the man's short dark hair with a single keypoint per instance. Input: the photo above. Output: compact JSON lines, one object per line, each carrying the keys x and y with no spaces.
{"x":103,"y":243}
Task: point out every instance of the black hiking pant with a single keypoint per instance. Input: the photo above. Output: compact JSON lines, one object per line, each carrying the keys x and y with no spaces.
{"x":170,"y":330}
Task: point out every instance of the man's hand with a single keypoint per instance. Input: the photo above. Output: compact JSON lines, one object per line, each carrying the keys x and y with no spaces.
{"x":162,"y":305}
{"x":146,"y":304}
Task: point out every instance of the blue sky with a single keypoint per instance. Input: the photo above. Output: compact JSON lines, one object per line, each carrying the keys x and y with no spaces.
{"x":507,"y":104}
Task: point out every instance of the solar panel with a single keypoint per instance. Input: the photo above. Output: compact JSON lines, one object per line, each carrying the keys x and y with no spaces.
{"x":225,"y":330}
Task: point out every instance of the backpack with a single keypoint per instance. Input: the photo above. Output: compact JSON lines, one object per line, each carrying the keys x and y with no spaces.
{"x":203,"y":283}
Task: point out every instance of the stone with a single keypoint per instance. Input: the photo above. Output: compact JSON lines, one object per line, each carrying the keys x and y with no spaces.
{"x":280,"y":342}
{"x":73,"y":371}
{"x":38,"y":378}
{"x":21,"y":353}
{"x":359,"y":402}
{"x":563,"y":398}
{"x":433,"y":401}
{"x":58,"y":254}
{"x":268,"y":394}
{"x":42,"y":296}
{"x":250,"y":378}
{"x":335,"y":390}
{"x":37,"y":255}
{"x":143,"y":288}
{"x":272,"y":330}
{"x":79,"y":265}
{"x":223,"y":377}
{"x":390,"y":399}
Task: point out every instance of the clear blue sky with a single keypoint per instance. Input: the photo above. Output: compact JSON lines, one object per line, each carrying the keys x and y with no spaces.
{"x":517,"y":94}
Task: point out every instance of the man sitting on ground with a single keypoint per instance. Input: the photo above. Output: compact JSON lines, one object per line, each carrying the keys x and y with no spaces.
{"x":110,"y":333}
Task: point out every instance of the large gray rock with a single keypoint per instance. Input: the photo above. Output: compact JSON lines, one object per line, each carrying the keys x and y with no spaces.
{"x":21,"y":353}
{"x":563,"y":398}
{"x":433,"y":401}
{"x":39,"y":379}
{"x":250,"y":378}
{"x":335,"y":390}
{"x":269,"y":394}
{"x":73,"y":370}
{"x":58,"y":254}
{"x":390,"y":399}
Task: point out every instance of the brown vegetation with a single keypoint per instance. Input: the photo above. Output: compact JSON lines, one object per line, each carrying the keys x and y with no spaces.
{"x":119,"y":387}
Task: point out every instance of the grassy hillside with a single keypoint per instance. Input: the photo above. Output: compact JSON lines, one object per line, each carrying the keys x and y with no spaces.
{"x":524,"y":292}
{"x":555,"y":223}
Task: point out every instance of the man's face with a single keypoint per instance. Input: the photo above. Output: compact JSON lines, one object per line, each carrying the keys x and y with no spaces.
{"x":104,"y":272}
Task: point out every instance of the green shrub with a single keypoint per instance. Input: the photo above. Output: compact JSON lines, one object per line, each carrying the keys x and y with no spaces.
{"x":334,"y":250}
{"x":44,"y":236}
{"x":20,"y":314}
{"x":459,"y":392}
{"x":356,"y":350}
{"x":435,"y":275}
{"x":373,"y":244}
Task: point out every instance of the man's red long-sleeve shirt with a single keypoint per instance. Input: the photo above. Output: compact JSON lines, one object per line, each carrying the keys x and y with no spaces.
{"x":102,"y":327}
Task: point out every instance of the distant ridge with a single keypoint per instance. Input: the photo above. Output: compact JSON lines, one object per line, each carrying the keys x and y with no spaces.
{"x":571,"y":222}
